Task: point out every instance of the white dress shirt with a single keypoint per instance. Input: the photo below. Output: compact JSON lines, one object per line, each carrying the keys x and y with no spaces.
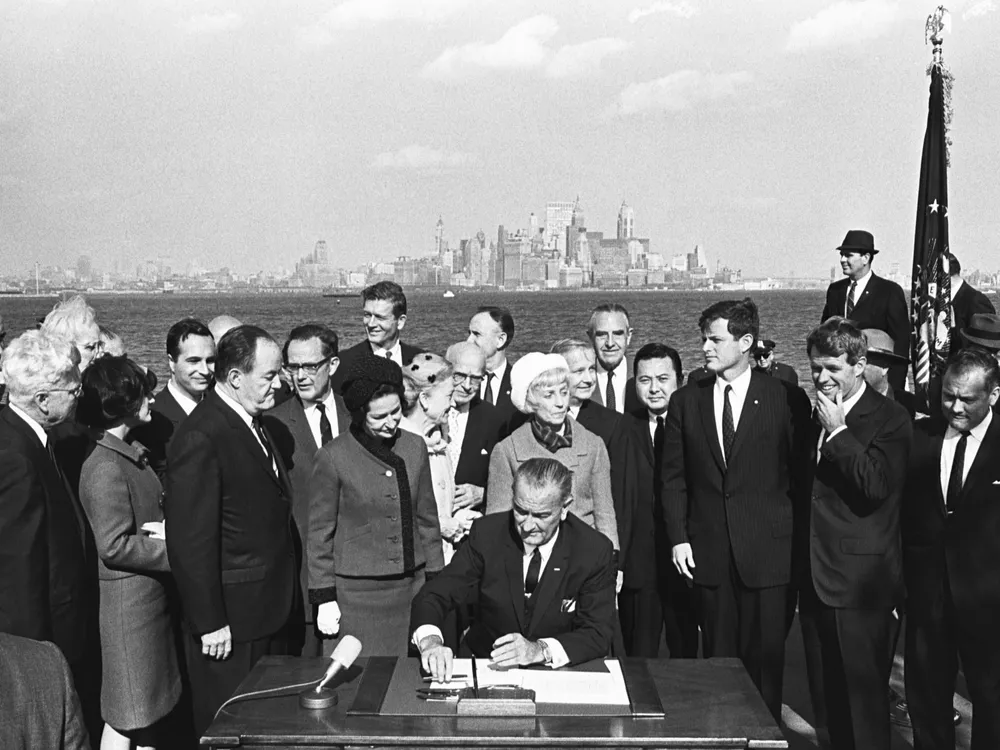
{"x":237,"y":407}
{"x":395,"y":353}
{"x":458,"y":423}
{"x":972,"y":446}
{"x":312,"y":417}
{"x":37,"y":428}
{"x":741,"y":384}
{"x":497,"y":379}
{"x":182,"y":397}
{"x":858,"y":290}
{"x":617,"y":383}
{"x":556,"y":650}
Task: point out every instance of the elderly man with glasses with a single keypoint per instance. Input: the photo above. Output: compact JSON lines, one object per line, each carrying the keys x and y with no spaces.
{"x":48,"y":564}
{"x":313,"y":417}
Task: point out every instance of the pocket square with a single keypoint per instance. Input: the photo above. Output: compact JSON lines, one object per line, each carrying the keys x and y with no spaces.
{"x":568,"y":605}
{"x":997,"y":482}
{"x":483,"y":452}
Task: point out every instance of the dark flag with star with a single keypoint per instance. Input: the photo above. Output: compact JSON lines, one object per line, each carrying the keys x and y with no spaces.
{"x":930,"y":303}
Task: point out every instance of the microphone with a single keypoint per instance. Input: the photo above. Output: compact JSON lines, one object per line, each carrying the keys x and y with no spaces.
{"x":342,"y":658}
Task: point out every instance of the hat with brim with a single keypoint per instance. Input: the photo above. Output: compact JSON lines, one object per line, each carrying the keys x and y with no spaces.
{"x":526,"y":369}
{"x":983,"y":330}
{"x":880,"y":348}
{"x":763,"y":347}
{"x":858,"y":241}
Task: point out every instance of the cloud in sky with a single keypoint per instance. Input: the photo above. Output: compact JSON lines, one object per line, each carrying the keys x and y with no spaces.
{"x":580,"y":59}
{"x":979,"y":9}
{"x":211,"y":23}
{"x":678,"y":91}
{"x":423,"y":157}
{"x":845,"y":22}
{"x":351,"y":15}
{"x":681,"y":9}
{"x":521,"y":48}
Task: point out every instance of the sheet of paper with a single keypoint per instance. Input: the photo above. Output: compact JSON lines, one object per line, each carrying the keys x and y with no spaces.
{"x":550,"y":686}
{"x":488,"y":675}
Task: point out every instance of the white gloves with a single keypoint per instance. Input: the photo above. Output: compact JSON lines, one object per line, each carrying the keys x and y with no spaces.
{"x":328,"y":618}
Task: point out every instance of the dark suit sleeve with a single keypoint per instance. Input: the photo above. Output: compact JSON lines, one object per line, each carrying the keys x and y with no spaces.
{"x":428,"y":523}
{"x":624,"y":487}
{"x":24,"y":554}
{"x":454,"y":586}
{"x":828,"y":309}
{"x":897,"y":319}
{"x":981,"y":304}
{"x":873,"y":472}
{"x":324,"y":513}
{"x":74,"y":734}
{"x":120,"y":544}
{"x":194,"y":526}
{"x":591,"y":635}
{"x":674,"y":498}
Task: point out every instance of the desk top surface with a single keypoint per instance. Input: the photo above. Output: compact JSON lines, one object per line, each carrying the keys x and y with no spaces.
{"x":708,"y":703}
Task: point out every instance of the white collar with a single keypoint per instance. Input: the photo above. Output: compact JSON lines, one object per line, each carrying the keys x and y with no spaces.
{"x":849,"y":403}
{"x":236,"y":406}
{"x":396,"y":349}
{"x":42,"y":435}
{"x":740,"y":384}
{"x":978,"y":432}
{"x":653,"y":417}
{"x":545,"y":550}
{"x":499,"y":372}
{"x":182,"y":397}
{"x":956,"y":285}
{"x":621,"y":369}
{"x":329,"y":404}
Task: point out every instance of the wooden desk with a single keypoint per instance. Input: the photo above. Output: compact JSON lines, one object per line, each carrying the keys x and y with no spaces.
{"x":708,"y":703}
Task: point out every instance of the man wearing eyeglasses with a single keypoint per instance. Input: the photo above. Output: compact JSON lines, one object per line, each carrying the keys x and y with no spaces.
{"x":303,"y":424}
{"x":48,"y":564}
{"x":474,"y":425}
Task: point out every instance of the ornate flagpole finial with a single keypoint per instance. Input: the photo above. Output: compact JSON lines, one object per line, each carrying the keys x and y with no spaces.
{"x":938,"y":24}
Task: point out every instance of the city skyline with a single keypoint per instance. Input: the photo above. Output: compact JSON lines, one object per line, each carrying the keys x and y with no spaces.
{"x":239,"y":134}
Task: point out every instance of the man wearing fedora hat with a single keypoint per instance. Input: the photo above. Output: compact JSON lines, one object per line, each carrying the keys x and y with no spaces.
{"x":869,"y":300}
{"x":966,"y":301}
{"x":983,"y":332}
{"x":880,"y":358}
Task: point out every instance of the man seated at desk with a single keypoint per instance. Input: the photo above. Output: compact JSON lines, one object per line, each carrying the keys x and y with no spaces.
{"x":544,"y":579}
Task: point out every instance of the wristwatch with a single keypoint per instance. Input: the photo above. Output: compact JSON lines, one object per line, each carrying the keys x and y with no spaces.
{"x":546,"y":653}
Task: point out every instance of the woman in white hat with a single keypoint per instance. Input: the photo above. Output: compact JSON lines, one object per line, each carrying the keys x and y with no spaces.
{"x":539,"y":388}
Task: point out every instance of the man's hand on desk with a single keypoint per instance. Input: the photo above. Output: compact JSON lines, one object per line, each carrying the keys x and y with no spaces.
{"x":436,"y":658}
{"x":218,"y":644}
{"x":514,"y":650}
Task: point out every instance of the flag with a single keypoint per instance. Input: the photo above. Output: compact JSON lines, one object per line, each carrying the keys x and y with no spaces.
{"x":930,"y":301}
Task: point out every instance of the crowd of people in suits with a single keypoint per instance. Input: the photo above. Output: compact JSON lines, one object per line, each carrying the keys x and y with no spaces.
{"x":550,"y":510}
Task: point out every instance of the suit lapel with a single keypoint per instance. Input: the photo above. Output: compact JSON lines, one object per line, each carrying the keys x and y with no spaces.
{"x":980,"y":472}
{"x":706,"y":406}
{"x":343,"y":415}
{"x":514,"y":563}
{"x":748,"y":417}
{"x":552,"y":578}
{"x":249,"y":441}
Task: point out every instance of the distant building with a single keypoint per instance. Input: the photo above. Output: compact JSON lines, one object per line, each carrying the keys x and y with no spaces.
{"x":626,"y":222}
{"x":558,"y":216}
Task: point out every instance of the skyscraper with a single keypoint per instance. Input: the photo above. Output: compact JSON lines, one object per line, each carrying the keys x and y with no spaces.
{"x":558,"y":215}
{"x":626,"y":222}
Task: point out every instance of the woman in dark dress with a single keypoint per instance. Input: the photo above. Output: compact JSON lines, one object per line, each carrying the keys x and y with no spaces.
{"x":373,"y":521}
{"x":121,"y":496}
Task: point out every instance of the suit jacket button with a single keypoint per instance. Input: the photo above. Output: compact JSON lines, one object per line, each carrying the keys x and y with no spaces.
{"x":392,"y":518}
{"x":388,"y":473}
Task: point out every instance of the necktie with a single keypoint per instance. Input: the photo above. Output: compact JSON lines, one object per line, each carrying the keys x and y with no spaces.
{"x":728,"y":425}
{"x":850,"y":298}
{"x":658,"y":452}
{"x":259,"y":430}
{"x":50,"y":447}
{"x":488,"y":398}
{"x":534,"y":570}
{"x":957,"y":470}
{"x":609,"y":393}
{"x":325,"y":430}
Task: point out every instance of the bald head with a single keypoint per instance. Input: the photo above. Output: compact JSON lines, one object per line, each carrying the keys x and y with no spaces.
{"x":468,"y":363}
{"x":221,"y":325}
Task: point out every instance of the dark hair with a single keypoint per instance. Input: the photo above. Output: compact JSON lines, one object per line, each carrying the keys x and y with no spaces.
{"x":954,"y":267}
{"x":606,"y":307}
{"x":502,"y":317}
{"x":969,"y":358}
{"x":179,"y":332}
{"x":541,"y":473}
{"x":657,"y":350}
{"x":386,"y":290}
{"x":113,"y":389}
{"x":378,"y":391}
{"x":741,"y":315}
{"x":327,"y":337}
{"x":238,"y":350}
{"x":838,"y":336}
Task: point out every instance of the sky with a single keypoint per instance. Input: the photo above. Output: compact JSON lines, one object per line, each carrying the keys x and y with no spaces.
{"x":240,"y":132}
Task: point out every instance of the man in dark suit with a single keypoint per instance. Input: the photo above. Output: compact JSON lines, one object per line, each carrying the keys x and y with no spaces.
{"x":733,"y":480}
{"x":232,"y":538}
{"x":48,"y":562}
{"x":966,"y":301}
{"x":39,"y":706}
{"x":983,"y":333}
{"x":384,"y":317}
{"x":878,"y":360}
{"x":544,"y":580}
{"x":852,"y":541}
{"x":654,"y":597}
{"x":191,"y":359}
{"x":302,"y":425}
{"x":492,"y":330}
{"x":610,"y":333}
{"x":764,"y":361}
{"x":951,"y":528}
{"x":474,"y":426}
{"x":869,"y":300}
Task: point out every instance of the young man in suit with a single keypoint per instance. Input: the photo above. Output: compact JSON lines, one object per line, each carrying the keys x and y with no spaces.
{"x":951,"y":528}
{"x":48,"y":562}
{"x":384,"y":317}
{"x":869,"y":300}
{"x":492,"y":330}
{"x":474,"y":425}
{"x":191,"y":359}
{"x":544,"y":579}
{"x":966,"y":301}
{"x":302,"y":425}
{"x":232,"y":537}
{"x":610,"y":333}
{"x":861,"y":443}
{"x":734,"y":460}
{"x":654,"y":597}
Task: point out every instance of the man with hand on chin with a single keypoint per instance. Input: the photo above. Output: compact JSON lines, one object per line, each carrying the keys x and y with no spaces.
{"x":544,"y":581}
{"x":854,"y":555}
